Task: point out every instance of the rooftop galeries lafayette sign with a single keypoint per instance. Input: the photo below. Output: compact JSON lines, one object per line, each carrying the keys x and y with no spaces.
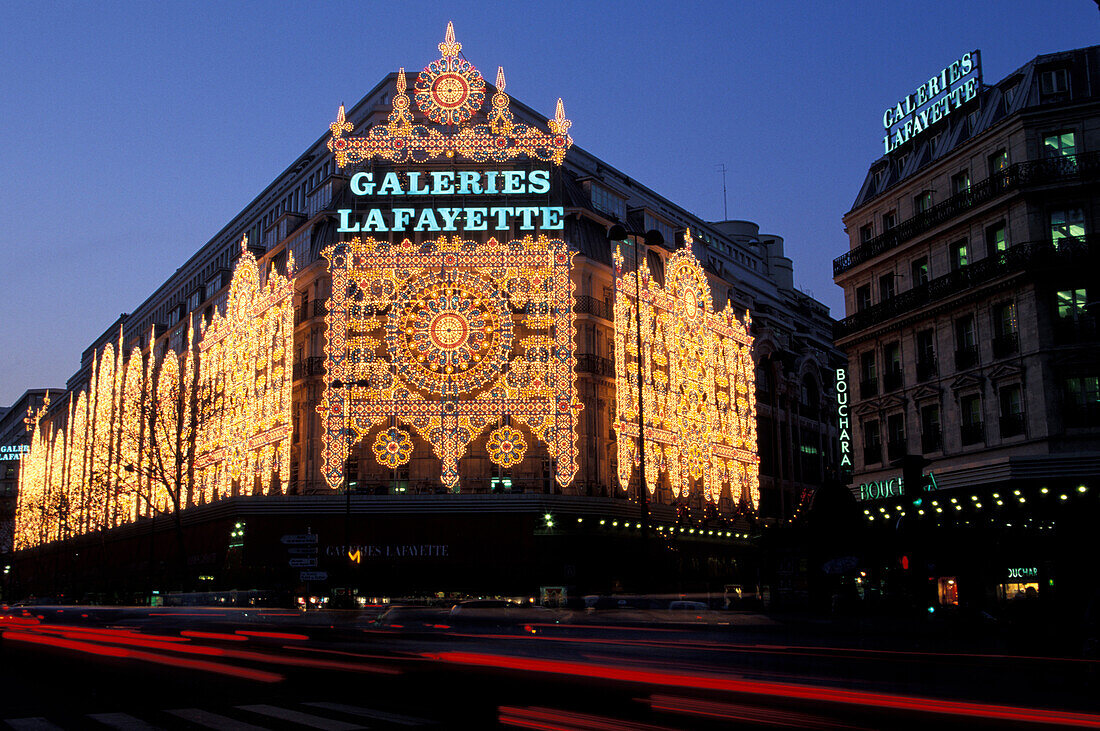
{"x":951,"y":88}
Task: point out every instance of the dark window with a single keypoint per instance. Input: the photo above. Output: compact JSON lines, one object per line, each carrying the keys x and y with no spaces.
{"x":1054,"y":81}
{"x":930,"y":429}
{"x":1006,"y":338}
{"x":891,"y":356}
{"x":1012,"y":411}
{"x":995,"y":239}
{"x":973,"y":429}
{"x":922,"y":202}
{"x":926,"y":354}
{"x":960,"y":255}
{"x":920,"y":271}
{"x":872,"y":442}
{"x":966,"y":343}
{"x":866,"y":233}
{"x":895,"y":436}
{"x":885,"y":287}
{"x":656,"y":267}
{"x":863,"y":297}
{"x":868,"y":374}
{"x":888,"y":220}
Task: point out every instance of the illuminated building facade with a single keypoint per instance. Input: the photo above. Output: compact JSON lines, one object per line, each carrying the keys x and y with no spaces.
{"x":970,"y":284}
{"x":424,"y":309}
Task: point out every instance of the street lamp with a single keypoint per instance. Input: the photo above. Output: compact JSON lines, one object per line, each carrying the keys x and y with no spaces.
{"x":651,"y":238}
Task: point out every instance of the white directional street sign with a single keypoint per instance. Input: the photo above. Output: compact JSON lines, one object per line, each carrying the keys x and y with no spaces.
{"x":300,"y":539}
{"x":312,"y":576}
{"x":302,"y":551}
{"x":302,"y":563}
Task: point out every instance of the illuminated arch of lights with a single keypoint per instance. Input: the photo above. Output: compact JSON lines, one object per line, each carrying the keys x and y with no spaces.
{"x":156,"y":431}
{"x":449,"y":337}
{"x":698,"y":396}
{"x":450,"y":91}
{"x":245,"y":382}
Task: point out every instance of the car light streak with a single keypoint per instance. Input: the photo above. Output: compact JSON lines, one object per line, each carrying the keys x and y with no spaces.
{"x":123,"y":653}
{"x":272,"y":635}
{"x":774,"y":689}
{"x":213,"y":636}
{"x":738,"y":712}
{"x":553,"y":719}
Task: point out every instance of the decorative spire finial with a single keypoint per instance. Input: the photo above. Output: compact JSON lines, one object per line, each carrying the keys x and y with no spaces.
{"x":500,"y":78}
{"x":402,"y":84}
{"x":244,"y":242}
{"x":341,"y":125}
{"x":448,"y":47}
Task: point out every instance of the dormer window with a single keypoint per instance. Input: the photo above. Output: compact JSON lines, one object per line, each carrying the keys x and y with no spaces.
{"x":604,"y":201}
{"x":1054,"y":81}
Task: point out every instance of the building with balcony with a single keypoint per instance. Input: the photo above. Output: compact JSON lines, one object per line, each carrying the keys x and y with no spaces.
{"x":298,"y":218}
{"x":970,"y":287}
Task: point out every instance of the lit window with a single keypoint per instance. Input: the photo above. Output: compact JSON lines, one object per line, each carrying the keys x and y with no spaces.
{"x":995,"y":239}
{"x":1071,"y":304}
{"x":998,"y":161}
{"x":960,"y":254}
{"x":1060,"y":144}
{"x":1066,"y":223}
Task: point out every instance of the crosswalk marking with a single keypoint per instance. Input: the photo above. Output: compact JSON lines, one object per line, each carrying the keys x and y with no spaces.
{"x":121,"y":721}
{"x":31,"y":724}
{"x":214,"y":720}
{"x":371,"y":713}
{"x":304,"y":719}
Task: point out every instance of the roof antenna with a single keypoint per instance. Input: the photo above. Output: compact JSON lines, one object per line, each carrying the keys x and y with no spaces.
{"x":725,"y":206}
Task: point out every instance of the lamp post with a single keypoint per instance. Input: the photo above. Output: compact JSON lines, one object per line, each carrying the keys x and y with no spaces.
{"x":652,"y":238}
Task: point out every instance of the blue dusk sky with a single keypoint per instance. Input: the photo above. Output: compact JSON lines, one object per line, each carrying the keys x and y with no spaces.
{"x":132,"y":132}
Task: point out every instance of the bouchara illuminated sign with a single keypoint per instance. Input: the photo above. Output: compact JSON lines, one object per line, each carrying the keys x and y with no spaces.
{"x":947,"y":91}
{"x":842,"y":418}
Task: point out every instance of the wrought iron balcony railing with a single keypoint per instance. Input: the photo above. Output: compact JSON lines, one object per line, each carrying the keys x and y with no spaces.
{"x":1034,"y":256}
{"x":973,"y":433}
{"x":966,"y":357}
{"x":312,"y":366}
{"x":927,"y":369}
{"x":1035,"y":172}
{"x":593,"y":306}
{"x":1007,"y":344}
{"x":595,"y":364}
{"x":931,"y":441}
{"x":1012,"y":425}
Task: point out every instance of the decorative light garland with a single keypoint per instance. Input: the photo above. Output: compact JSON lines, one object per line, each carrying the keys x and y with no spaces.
{"x":697,"y":392}
{"x":448,"y":336}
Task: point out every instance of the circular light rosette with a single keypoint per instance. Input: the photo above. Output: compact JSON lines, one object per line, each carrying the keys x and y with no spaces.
{"x":449,"y":91}
{"x":451,"y":331}
{"x":393,"y":447}
{"x":506,"y":446}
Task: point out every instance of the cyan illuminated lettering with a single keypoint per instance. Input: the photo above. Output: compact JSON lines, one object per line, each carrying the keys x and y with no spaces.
{"x":391,"y":185}
{"x":449,"y":215}
{"x":475,"y":219}
{"x":469,"y":183}
{"x":401,"y":218}
{"x":539,"y":182}
{"x":345,"y":222}
{"x":513,"y":182}
{"x":374,"y":221}
{"x":415,"y":188}
{"x":427,"y":221}
{"x":362,"y":183}
{"x":552,"y":217}
{"x":443,"y":182}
